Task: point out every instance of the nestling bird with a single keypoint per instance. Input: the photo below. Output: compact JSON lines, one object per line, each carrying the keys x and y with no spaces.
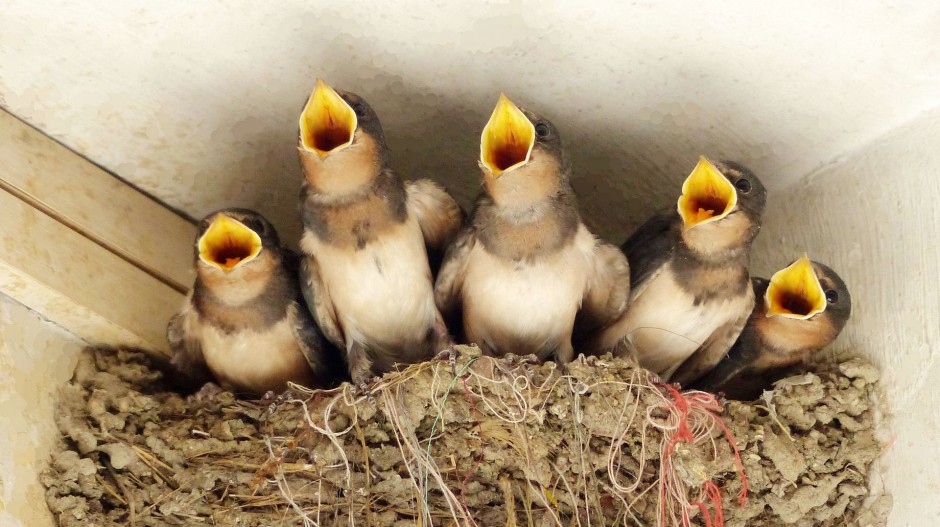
{"x":367,"y":236}
{"x":526,"y":269}
{"x":691,"y":294}
{"x":245,"y":324}
{"x":800,"y":311}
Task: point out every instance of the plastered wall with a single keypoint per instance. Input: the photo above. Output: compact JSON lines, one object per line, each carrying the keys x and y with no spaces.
{"x":197,"y":102}
{"x":36,"y":357}
{"x":873,"y":216}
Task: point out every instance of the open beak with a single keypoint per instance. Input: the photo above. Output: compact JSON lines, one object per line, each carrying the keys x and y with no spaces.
{"x":706,"y":195}
{"x":327,"y":123}
{"x":795,"y":292}
{"x":507,"y":139}
{"x":228,"y":243}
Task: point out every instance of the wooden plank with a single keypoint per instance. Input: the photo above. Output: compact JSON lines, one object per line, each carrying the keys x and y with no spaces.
{"x":87,"y":199}
{"x":79,"y":284}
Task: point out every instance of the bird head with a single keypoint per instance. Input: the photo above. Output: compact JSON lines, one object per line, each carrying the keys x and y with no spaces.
{"x":805,"y":289}
{"x":521,"y":155}
{"x":341,"y":143}
{"x":721,"y":206}
{"x":233,"y":238}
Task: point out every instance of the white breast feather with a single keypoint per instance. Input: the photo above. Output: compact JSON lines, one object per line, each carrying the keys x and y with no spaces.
{"x":381,"y":293}
{"x":665,"y":327}
{"x":251,"y":359}
{"x":535,"y":303}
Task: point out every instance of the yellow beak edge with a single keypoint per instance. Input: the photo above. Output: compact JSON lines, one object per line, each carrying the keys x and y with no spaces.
{"x":507,"y":139}
{"x":795,"y":292}
{"x":707,"y":195}
{"x":228,"y":243}
{"x":327,"y":123}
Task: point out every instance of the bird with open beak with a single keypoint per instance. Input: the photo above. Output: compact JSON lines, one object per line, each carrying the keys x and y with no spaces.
{"x":244,"y":324}
{"x":801,"y":310}
{"x":691,"y":293}
{"x":526,"y":275}
{"x":367,"y":240}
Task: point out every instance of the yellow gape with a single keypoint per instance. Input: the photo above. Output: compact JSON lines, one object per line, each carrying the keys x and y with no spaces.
{"x":327,"y":123}
{"x":795,"y":292}
{"x":507,"y":139}
{"x":706,"y":195}
{"x":228,"y":243}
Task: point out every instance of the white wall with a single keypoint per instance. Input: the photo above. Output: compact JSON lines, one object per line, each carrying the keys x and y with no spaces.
{"x":197,"y":102}
{"x":874,"y":217}
{"x":36,"y":357}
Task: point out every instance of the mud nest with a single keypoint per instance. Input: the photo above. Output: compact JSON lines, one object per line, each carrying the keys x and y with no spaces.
{"x":478,"y":442}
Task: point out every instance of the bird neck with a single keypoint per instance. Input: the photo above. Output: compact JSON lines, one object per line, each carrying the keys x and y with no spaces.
{"x":792,"y":340}
{"x":723,"y":241}
{"x":526,"y":232}
{"x":239,"y":286}
{"x":346,"y":173}
{"x":251,"y":298}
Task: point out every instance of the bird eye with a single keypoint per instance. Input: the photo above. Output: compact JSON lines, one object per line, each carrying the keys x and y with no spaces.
{"x":542,"y":130}
{"x":360,"y":109}
{"x":255,"y":225}
{"x":832,"y":296}
{"x":743,"y":186}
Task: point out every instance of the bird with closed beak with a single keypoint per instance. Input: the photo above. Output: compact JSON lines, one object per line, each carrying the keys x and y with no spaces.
{"x":368,"y":236}
{"x":526,"y":276}
{"x":691,"y":294}
{"x":801,"y":310}
{"x":244,"y":324}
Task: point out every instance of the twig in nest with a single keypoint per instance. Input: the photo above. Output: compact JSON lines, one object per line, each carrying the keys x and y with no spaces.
{"x":131,"y":508}
{"x":368,"y":470}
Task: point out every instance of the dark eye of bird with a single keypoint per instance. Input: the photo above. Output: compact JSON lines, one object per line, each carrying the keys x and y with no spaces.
{"x":743,"y":186}
{"x":832,"y":296}
{"x":542,"y":130}
{"x":359,"y":109}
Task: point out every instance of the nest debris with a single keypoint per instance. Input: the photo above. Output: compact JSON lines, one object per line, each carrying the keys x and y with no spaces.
{"x":486,"y":442}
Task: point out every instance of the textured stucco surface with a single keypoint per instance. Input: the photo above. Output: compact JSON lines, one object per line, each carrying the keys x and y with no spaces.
{"x":874,"y":217}
{"x":36,"y":357}
{"x":197,"y":102}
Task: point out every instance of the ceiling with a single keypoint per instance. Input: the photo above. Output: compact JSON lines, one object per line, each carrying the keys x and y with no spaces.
{"x":196,"y":103}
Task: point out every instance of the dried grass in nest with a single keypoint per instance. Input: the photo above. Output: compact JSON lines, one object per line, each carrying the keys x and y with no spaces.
{"x":501,"y":443}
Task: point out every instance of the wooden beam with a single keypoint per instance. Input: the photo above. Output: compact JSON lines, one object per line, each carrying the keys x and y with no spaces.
{"x":79,"y":284}
{"x":82,"y":196}
{"x":85,"y":249}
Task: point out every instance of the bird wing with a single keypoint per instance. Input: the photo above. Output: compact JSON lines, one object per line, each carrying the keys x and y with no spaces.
{"x":649,"y":248}
{"x":733,"y":366}
{"x":711,"y":352}
{"x":318,"y":301}
{"x":325,"y":360}
{"x":438,"y":214}
{"x":447,"y":288}
{"x":607,"y":291}
{"x":188,"y":360}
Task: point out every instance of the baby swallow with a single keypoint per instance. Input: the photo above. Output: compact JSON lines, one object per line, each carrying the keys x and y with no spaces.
{"x":803,"y":308}
{"x":367,"y":237}
{"x":691,"y":295}
{"x":526,"y":274}
{"x":244,"y":324}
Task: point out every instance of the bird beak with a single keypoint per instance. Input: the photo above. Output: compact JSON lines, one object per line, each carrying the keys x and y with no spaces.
{"x":228,"y":243}
{"x":507,"y":139}
{"x":795,"y":292}
{"x":327,"y":123}
{"x":707,"y":195}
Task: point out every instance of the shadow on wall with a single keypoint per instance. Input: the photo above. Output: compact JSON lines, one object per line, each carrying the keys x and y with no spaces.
{"x":625,"y":166}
